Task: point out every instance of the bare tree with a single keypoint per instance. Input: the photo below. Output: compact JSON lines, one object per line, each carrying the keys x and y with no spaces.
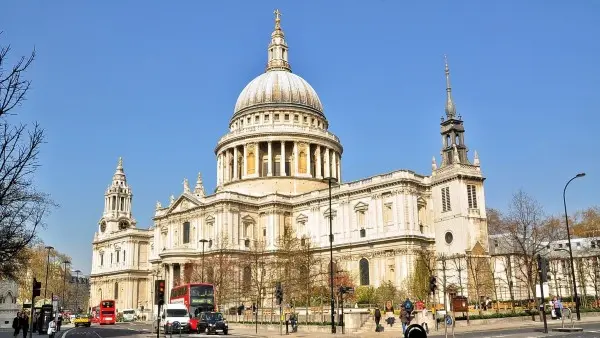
{"x":479,"y":276}
{"x":459,"y":262}
{"x":256,"y":265}
{"x":443,"y":265}
{"x":22,"y":207}
{"x":218,"y":270}
{"x":593,"y":273}
{"x":309,"y":271}
{"x":525,"y":234}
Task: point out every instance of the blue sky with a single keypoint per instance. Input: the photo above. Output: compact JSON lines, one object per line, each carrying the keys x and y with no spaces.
{"x":156,"y":83}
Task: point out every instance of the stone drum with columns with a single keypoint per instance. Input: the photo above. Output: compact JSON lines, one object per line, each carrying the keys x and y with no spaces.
{"x":271,"y":169}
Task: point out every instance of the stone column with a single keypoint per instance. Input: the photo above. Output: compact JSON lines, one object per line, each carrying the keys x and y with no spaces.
{"x":270,"y":159}
{"x":282,"y":160}
{"x":318,"y":167}
{"x":327,"y":163}
{"x":219,"y":169}
{"x":333,"y":164}
{"x":245,"y":162}
{"x":235,"y":164}
{"x":339,"y":168}
{"x":296,"y":167}
{"x":257,"y":164}
{"x":227,"y":169}
{"x":308,"y":160}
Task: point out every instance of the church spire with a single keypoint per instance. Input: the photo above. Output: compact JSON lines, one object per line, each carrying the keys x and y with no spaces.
{"x":278,"y":49}
{"x":450,"y":107}
{"x":199,"y":188}
{"x":119,"y":175}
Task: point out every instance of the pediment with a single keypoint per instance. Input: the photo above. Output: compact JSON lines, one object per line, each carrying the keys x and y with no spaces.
{"x":361,"y":206}
{"x":210,"y":219}
{"x":248,"y":219}
{"x":302,"y":218}
{"x":421,"y":201}
{"x":183,"y":203}
{"x":330,"y":212}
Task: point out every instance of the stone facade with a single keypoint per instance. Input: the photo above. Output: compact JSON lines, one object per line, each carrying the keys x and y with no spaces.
{"x":8,"y":303}
{"x":273,"y":171}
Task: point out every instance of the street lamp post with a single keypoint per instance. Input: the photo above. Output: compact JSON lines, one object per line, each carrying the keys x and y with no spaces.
{"x":62,"y":301}
{"x":49,"y":248}
{"x":570,"y":248}
{"x":76,"y":290}
{"x":331,"y":180}
{"x":203,"y":241}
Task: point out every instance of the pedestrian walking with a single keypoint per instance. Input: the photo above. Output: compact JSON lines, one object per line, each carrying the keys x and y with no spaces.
{"x":51,"y":328}
{"x":377,"y":318}
{"x":59,"y":322}
{"x":24,"y":324}
{"x":17,"y":324}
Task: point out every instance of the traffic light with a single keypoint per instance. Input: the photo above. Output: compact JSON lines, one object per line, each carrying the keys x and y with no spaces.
{"x":37,"y":288}
{"x":159,"y":291}
{"x":279,"y":293}
{"x":432,"y":284}
{"x":543,"y":266}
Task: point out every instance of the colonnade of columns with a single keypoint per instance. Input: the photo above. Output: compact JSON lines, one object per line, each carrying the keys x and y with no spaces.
{"x":264,"y":159}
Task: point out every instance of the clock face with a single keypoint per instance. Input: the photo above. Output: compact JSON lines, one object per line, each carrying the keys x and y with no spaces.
{"x":103,"y":226}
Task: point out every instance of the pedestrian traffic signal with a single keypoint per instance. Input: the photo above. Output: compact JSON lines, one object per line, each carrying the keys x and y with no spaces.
{"x":279,"y":293}
{"x":432,"y":284}
{"x":37,"y":288}
{"x":159,"y":291}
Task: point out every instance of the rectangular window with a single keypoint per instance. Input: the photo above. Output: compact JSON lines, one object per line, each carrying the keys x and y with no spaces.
{"x":249,"y":120}
{"x":446,"y":199}
{"x":287,"y":117}
{"x":305,"y":119}
{"x":186,"y":232}
{"x":472,"y":196}
{"x":117,"y":256}
{"x":111,"y":258}
{"x":360,"y":215}
{"x":123,"y":256}
{"x":296,"y":118}
{"x":264,"y":232}
{"x":276,"y":118}
{"x":266,"y":117}
{"x":257,"y":119}
{"x":101,"y":259}
{"x":122,"y":206}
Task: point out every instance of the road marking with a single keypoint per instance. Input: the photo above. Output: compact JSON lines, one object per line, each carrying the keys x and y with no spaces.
{"x":64,"y":335}
{"x":99,"y":336}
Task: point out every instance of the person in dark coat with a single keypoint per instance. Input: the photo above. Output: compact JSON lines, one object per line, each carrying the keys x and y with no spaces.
{"x":59,"y":322}
{"x":377,"y":317}
{"x":17,"y":324}
{"x":24,"y":324}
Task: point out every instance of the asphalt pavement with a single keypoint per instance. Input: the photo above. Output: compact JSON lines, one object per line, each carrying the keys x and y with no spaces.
{"x":143,"y":330}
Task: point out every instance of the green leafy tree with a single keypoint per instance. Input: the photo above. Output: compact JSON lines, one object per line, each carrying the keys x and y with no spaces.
{"x":366,"y":294}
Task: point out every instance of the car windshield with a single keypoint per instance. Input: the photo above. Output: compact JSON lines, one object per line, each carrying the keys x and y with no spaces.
{"x":177,"y":313}
{"x":214,"y":316}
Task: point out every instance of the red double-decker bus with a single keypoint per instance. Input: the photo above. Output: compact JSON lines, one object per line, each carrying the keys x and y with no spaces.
{"x":107,"y":313}
{"x":197,"y":297}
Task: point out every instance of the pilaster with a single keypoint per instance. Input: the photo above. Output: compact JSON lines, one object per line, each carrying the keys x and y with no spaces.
{"x":270,"y":158}
{"x":235,"y":164}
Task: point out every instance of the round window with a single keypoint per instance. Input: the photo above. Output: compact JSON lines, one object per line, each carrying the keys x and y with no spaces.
{"x":449,"y":237}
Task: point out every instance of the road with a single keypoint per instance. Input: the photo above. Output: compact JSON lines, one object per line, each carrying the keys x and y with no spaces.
{"x":143,"y":330}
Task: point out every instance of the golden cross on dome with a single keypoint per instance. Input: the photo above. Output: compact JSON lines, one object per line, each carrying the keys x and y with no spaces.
{"x":277,"y":18}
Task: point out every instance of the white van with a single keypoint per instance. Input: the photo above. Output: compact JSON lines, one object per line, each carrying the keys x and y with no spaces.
{"x":129,"y":315}
{"x":175,"y":313}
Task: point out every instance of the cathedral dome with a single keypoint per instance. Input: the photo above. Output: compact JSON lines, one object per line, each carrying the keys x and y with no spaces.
{"x":280,"y":87}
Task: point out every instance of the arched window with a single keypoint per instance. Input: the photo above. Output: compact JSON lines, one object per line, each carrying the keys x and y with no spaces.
{"x":363,"y":267}
{"x":247,"y":278}
{"x":116,"y":290}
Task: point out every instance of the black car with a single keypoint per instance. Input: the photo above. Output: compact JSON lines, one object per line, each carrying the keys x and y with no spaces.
{"x":212,"y":322}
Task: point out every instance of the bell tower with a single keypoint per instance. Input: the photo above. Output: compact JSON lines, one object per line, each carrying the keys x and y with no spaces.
{"x":117,"y":204}
{"x":457,"y":187}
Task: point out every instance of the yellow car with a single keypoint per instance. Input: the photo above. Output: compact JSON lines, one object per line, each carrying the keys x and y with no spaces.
{"x":82,"y":320}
